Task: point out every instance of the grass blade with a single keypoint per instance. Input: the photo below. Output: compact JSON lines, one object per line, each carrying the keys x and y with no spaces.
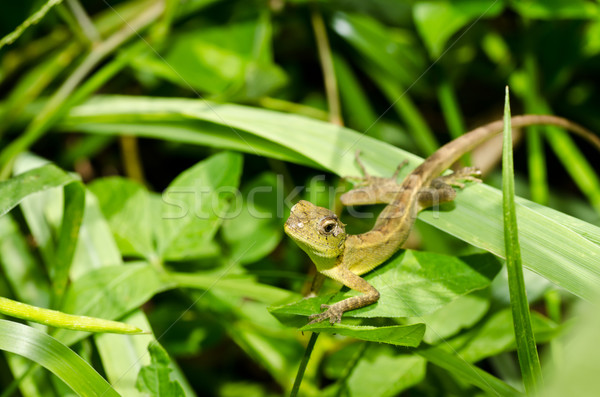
{"x":74,"y":203}
{"x":54,"y":356}
{"x":526,"y":349}
{"x":564,"y":253}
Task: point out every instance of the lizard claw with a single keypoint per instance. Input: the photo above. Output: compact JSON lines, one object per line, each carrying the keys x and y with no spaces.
{"x":470,"y":174}
{"x":334,"y":316}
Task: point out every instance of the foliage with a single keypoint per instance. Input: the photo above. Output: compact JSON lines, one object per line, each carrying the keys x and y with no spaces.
{"x":150,"y":152}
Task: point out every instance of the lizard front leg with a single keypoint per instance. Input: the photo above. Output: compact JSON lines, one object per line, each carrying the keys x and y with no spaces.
{"x":343,"y":275}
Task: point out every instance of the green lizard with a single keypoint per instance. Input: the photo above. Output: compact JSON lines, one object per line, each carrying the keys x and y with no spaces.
{"x":345,"y":257}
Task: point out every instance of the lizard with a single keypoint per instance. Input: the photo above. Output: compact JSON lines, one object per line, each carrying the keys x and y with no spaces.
{"x":345,"y":257}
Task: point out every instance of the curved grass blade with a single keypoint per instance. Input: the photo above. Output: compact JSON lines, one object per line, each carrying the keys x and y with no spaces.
{"x":54,"y":356}
{"x":526,"y":348}
{"x":550,"y":247}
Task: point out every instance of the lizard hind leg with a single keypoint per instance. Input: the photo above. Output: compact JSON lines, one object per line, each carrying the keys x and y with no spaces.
{"x":441,"y":190}
{"x":470,"y":174}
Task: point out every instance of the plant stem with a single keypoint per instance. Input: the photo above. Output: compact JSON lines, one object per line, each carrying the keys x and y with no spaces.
{"x":304,"y":363}
{"x":331,"y":88}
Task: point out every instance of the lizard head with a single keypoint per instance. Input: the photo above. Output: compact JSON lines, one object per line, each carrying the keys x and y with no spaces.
{"x":318,"y":231}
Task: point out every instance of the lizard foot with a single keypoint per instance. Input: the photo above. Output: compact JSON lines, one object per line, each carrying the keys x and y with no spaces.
{"x":471,"y":174}
{"x":334,"y":315}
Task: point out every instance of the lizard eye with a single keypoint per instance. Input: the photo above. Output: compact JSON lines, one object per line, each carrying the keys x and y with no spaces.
{"x":328,"y":225}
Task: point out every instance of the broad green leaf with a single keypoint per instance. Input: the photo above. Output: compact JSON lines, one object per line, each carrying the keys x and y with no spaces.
{"x":496,"y":335}
{"x":96,"y":247}
{"x":469,"y":373}
{"x":464,"y":312}
{"x":437,"y":21}
{"x":14,"y":190}
{"x":155,"y":379}
{"x":411,"y":284}
{"x":556,"y":251}
{"x":383,"y":371}
{"x":399,"y":335}
{"x":126,"y":206}
{"x":256,"y":229}
{"x":195,"y":204}
{"x":54,"y":356}
{"x":110,"y":292}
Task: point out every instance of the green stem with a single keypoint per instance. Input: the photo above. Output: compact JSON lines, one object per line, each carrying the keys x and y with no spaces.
{"x":304,"y":363}
{"x":54,"y":318}
{"x":85,"y":23}
{"x":331,"y":87}
{"x":450,"y":109}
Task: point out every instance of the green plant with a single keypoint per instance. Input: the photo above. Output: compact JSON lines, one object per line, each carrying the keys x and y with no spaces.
{"x":212,"y":112}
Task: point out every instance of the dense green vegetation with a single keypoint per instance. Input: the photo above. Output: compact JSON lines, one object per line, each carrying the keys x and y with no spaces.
{"x":150,"y":152}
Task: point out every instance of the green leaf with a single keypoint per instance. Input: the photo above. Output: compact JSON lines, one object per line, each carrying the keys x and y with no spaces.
{"x":411,"y":284}
{"x":464,"y":312}
{"x":54,"y":356}
{"x":496,"y":335}
{"x":195,"y":204}
{"x":526,"y":348}
{"x":399,"y":335}
{"x":437,"y":21}
{"x":14,"y":190}
{"x":384,"y":371}
{"x":219,"y":60}
{"x":22,"y":270}
{"x":469,"y":373}
{"x":96,"y":246}
{"x":155,"y":378}
{"x":256,"y":230}
{"x":126,"y":205}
